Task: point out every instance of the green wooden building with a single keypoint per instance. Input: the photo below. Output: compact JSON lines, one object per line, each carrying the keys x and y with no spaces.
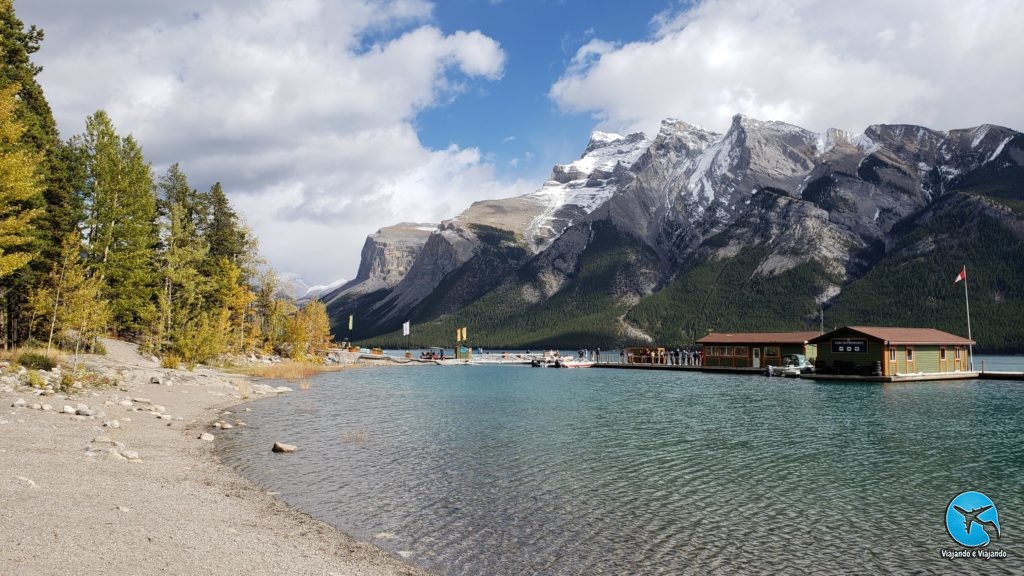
{"x":755,"y":349}
{"x":893,"y":353}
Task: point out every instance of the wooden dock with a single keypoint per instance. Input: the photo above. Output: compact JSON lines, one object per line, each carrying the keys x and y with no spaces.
{"x":680,"y":368}
{"x":998,"y":375}
{"x":981,"y":375}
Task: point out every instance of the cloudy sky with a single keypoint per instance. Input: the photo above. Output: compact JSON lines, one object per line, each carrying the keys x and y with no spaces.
{"x":328,"y":119}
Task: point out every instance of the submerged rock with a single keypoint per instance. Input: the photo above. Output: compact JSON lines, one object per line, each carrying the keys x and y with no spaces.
{"x":206,"y":436}
{"x":282,"y":447}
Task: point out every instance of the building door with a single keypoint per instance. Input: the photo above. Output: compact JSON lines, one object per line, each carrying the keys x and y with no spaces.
{"x":755,"y":360}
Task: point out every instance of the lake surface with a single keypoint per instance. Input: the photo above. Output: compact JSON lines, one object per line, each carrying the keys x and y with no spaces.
{"x":516,"y":470}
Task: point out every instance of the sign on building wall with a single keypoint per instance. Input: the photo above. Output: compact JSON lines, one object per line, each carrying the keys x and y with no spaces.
{"x":850,"y":345}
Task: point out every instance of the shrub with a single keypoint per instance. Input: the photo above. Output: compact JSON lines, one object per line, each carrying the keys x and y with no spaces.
{"x":170,"y":360}
{"x":35,"y":380}
{"x":36,"y":361}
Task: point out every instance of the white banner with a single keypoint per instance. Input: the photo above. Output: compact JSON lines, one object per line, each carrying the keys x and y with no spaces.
{"x":405,"y":328}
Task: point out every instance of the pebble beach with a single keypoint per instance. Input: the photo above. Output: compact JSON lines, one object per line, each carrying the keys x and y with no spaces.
{"x":125,"y":479}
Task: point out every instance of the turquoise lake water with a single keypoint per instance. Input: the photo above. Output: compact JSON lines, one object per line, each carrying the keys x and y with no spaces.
{"x":516,"y":470}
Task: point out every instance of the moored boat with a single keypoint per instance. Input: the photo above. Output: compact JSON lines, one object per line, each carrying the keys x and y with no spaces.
{"x":574,"y":364}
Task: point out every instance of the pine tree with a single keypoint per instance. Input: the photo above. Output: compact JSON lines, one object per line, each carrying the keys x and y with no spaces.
{"x":227,"y":237}
{"x":121,"y":220}
{"x":20,"y":189}
{"x":57,"y":168}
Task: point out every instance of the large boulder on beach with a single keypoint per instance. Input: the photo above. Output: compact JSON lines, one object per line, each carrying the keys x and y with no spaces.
{"x":282,"y":447}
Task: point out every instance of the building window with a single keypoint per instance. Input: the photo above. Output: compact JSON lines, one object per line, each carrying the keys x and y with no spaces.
{"x":712,"y":350}
{"x":740,"y":351}
{"x":771,"y":350}
{"x":892,"y":354}
{"x":910,"y":354}
{"x":957,"y":353}
{"x":942,"y":354}
{"x":727,"y":351}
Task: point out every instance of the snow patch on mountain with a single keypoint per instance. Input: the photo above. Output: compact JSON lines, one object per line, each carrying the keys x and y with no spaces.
{"x":998,"y":150}
{"x":583,"y":185}
{"x":319,"y":289}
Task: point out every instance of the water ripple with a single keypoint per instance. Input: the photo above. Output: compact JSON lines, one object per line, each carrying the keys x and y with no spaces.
{"x":498,"y":470}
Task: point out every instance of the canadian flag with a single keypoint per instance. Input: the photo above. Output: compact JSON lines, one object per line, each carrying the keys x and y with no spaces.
{"x":961,"y":276}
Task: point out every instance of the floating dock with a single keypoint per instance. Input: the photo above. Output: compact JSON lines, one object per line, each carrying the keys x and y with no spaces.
{"x":680,"y":368}
{"x":980,"y":375}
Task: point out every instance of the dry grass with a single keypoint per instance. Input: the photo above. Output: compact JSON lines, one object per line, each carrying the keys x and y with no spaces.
{"x":287,"y":370}
{"x":13,"y":353}
{"x":243,"y":389}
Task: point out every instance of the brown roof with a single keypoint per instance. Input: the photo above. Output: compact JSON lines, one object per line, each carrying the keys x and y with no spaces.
{"x":900,"y":335}
{"x":758,"y":338}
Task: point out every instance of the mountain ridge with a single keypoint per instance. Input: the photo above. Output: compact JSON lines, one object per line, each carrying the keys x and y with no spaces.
{"x":816,"y":212}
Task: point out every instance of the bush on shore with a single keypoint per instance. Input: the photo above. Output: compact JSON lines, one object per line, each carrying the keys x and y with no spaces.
{"x":36,"y":361}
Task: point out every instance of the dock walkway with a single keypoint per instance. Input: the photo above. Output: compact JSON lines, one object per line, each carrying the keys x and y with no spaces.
{"x":981,"y":375}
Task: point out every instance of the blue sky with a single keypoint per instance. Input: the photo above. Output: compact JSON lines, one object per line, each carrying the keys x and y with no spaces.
{"x":326,"y":120}
{"x":540,"y":38}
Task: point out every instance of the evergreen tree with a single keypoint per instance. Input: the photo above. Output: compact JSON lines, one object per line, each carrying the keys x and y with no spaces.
{"x":121,"y":219}
{"x":227,"y":238}
{"x":20,"y":189}
{"x":57,"y":167}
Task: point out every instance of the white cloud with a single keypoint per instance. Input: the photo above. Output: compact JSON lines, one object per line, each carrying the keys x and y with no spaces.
{"x":303,"y":108}
{"x":814,"y":63}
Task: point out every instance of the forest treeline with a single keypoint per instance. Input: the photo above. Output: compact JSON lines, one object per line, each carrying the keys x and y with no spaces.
{"x":92,"y":242}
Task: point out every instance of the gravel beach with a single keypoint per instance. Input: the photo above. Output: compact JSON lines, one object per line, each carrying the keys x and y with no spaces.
{"x":128,"y":486}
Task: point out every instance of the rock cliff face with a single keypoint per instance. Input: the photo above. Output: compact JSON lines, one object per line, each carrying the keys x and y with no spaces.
{"x":785,"y":202}
{"x":387,"y":256}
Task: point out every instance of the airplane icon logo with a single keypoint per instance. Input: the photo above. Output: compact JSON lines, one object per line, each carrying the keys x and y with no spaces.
{"x":970,"y":519}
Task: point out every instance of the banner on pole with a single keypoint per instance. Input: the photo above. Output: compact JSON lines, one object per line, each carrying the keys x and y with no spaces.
{"x":349,"y":321}
{"x":405,"y":328}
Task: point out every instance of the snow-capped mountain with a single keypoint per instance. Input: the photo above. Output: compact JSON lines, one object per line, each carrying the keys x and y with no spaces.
{"x":293,"y":285}
{"x":781,"y":198}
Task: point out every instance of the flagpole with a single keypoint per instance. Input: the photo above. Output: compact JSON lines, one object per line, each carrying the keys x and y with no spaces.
{"x":970,"y":352}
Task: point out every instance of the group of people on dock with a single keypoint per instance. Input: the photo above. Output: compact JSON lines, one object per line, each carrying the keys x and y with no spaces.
{"x":677,"y":357}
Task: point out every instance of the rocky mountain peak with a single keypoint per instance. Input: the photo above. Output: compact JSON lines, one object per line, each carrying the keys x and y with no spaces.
{"x":386,"y":258}
{"x":599,"y":139}
{"x":765,"y":204}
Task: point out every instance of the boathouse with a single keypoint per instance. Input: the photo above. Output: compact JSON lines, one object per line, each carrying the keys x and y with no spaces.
{"x":755,"y":349}
{"x":892,"y":353}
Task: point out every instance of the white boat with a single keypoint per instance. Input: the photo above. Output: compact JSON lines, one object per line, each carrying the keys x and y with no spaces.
{"x":574,"y":364}
{"x":793,"y":365}
{"x":452,"y":362}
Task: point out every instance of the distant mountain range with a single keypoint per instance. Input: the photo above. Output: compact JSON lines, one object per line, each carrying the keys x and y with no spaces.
{"x":294,"y":286}
{"x":762,"y":228}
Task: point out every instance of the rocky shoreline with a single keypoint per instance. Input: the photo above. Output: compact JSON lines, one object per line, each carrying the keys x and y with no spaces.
{"x":124,"y":479}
